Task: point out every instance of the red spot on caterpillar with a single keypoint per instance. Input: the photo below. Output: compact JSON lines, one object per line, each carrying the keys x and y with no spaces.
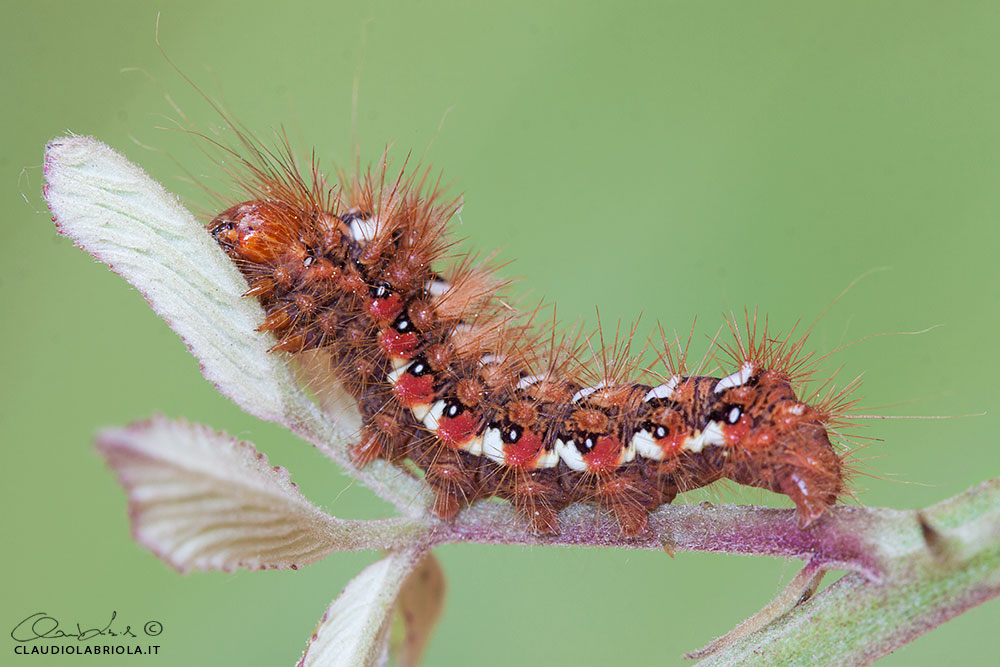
{"x":605,"y":455}
{"x":524,"y":452}
{"x":397,"y":344}
{"x":736,"y":432}
{"x":672,"y":445}
{"x":411,"y":390}
{"x":456,"y":431}
{"x":385,"y":309}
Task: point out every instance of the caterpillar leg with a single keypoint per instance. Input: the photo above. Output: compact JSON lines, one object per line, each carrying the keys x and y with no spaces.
{"x":386,"y":436}
{"x":446,"y":503}
{"x":630,"y":498}
{"x":453,"y":482}
{"x":373,"y":446}
{"x":537,"y":498}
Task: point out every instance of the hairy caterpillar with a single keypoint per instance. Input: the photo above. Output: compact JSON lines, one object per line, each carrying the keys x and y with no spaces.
{"x":447,"y":375}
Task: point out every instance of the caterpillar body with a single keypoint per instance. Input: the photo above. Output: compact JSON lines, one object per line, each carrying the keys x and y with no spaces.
{"x":449,"y":376}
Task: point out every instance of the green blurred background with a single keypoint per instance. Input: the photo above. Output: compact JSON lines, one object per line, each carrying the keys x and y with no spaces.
{"x":670,"y":159}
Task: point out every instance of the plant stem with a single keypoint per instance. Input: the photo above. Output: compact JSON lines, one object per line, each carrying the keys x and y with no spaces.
{"x":908,"y":571}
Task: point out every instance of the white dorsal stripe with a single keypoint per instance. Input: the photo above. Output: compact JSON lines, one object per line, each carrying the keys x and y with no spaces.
{"x":665,"y":390}
{"x":586,"y":391}
{"x":736,"y":379}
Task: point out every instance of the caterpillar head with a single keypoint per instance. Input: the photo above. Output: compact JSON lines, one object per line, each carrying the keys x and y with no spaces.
{"x":771,"y":439}
{"x":255,"y":231}
{"x":273,"y":233}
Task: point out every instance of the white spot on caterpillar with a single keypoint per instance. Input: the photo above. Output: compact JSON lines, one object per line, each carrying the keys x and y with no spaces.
{"x":712,"y":435}
{"x":568,"y":452}
{"x":488,"y":359}
{"x":433,"y":417}
{"x":798,"y":409}
{"x":393,"y":377}
{"x":436,"y":287}
{"x":586,"y":391}
{"x":474,"y":446}
{"x":529,"y":380}
{"x":364,"y":230}
{"x":628,"y":453}
{"x":493,"y":445}
{"x":549,"y":458}
{"x":736,"y":379}
{"x":420,"y":410}
{"x":646,"y":446}
{"x":665,"y":390}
